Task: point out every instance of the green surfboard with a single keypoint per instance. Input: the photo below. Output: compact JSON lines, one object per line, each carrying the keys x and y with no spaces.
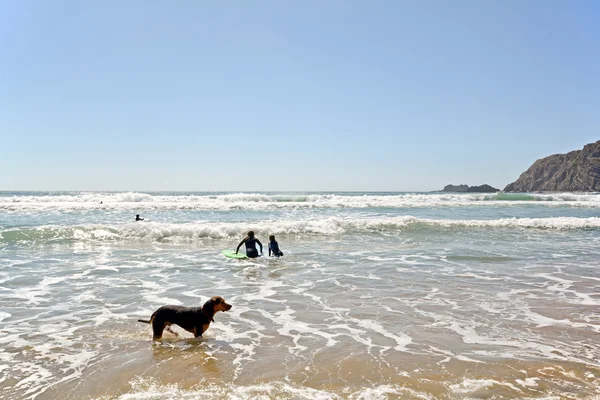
{"x":232,"y":254}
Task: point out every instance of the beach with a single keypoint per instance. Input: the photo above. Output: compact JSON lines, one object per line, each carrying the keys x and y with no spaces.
{"x":378,"y":295}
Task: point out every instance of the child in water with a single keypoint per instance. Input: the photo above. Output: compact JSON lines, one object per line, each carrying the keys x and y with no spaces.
{"x":274,"y":247}
{"x":250,"y":242}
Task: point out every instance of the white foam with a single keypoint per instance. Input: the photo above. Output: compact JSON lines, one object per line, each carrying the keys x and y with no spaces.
{"x":257,"y":201}
{"x":108,"y":315}
{"x":147,"y":389}
{"x":467,"y":359}
{"x":34,"y":294}
{"x":402,"y":340}
{"x":563,"y":286}
{"x":199,"y":230}
{"x":153,"y":298}
{"x":528,"y":382}
{"x":389,"y":391}
{"x":473,"y":332}
{"x":290,"y":324}
{"x":469,"y":386}
{"x":36,"y":378}
{"x":4,"y":315}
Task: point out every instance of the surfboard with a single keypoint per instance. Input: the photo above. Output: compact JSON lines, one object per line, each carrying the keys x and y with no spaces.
{"x":231,"y":254}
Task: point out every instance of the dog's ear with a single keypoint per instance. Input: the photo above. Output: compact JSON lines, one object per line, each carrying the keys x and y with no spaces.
{"x":209,"y":307}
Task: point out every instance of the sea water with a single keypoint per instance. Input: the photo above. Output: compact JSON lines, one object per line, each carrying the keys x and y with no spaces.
{"x":378,"y":295}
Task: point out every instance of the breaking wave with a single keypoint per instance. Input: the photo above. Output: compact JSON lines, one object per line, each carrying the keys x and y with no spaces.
{"x":199,"y":230}
{"x":40,"y":202}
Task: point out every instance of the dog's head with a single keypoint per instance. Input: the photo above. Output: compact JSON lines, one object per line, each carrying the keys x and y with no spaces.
{"x":216,"y":304}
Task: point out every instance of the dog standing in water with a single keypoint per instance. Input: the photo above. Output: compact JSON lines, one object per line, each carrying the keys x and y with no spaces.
{"x":195,"y":320}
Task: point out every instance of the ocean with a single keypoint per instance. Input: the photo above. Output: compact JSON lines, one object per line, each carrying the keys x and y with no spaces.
{"x":378,"y":295}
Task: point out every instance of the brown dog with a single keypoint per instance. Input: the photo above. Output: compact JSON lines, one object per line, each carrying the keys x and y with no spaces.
{"x":193,"y":319}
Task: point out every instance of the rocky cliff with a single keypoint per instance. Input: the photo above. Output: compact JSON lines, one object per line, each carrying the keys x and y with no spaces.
{"x":577,"y":171}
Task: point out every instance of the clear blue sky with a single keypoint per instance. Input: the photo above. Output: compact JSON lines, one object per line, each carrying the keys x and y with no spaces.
{"x":292,"y":95}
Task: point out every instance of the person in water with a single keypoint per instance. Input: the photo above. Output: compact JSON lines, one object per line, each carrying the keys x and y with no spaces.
{"x":250,"y":242}
{"x":137,"y":217}
{"x":274,"y":247}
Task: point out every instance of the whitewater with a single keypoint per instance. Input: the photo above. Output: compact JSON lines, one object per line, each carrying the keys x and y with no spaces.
{"x":379,"y":295}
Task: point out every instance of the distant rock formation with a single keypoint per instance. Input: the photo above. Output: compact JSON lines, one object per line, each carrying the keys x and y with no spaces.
{"x":470,"y":189}
{"x":577,"y":171}
{"x":456,"y":188}
{"x":483,"y":189}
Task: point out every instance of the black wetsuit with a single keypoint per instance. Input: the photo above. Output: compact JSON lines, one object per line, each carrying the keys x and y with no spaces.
{"x":251,"y":251}
{"x":274,"y":247}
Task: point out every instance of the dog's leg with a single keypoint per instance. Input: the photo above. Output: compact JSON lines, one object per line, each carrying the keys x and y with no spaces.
{"x":157,"y":328}
{"x":200,"y":330}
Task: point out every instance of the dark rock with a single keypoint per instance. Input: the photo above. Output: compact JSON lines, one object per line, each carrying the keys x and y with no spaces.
{"x":466,"y":188}
{"x":577,"y":171}
{"x":483,"y":189}
{"x":454,"y":188}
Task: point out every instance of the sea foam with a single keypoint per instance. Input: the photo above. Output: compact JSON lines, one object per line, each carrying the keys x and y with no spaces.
{"x":162,"y":231}
{"x":261,"y":201}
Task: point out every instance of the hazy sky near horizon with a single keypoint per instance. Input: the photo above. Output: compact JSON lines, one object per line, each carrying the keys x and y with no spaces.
{"x":292,"y":95}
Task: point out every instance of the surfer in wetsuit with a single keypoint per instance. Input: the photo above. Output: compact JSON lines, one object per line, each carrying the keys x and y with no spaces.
{"x":274,"y":247}
{"x":137,"y":217}
{"x":250,"y":242}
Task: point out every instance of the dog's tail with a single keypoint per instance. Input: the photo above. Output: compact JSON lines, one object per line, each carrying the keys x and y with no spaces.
{"x":149,"y":321}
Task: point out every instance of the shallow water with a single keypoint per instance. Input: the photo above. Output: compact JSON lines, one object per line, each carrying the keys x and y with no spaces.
{"x":378,"y":296}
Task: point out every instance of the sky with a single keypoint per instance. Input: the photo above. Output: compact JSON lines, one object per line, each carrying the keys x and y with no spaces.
{"x":307,"y":95}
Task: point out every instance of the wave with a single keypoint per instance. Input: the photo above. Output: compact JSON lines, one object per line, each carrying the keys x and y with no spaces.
{"x":523,"y":197}
{"x":258,"y":201}
{"x":170,"y":232}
